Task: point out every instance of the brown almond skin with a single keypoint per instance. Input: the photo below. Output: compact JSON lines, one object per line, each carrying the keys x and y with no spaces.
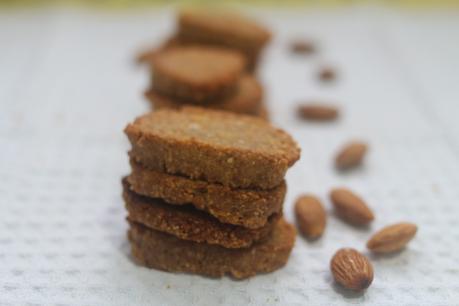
{"x":317,"y":112}
{"x":351,"y":155}
{"x":301,"y":46}
{"x":350,"y":207}
{"x":327,"y":74}
{"x":351,"y":269}
{"x":310,"y":216}
{"x":392,"y":238}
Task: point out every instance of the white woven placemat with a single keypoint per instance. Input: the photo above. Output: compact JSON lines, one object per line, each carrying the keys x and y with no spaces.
{"x":68,"y":87}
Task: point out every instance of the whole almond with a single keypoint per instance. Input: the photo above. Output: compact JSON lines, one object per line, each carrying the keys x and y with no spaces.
{"x":350,"y":207}
{"x":310,"y":216}
{"x":351,"y":269}
{"x":392,"y":238}
{"x":317,"y":112}
{"x":302,"y":46}
{"x":351,"y":155}
{"x":327,"y":74}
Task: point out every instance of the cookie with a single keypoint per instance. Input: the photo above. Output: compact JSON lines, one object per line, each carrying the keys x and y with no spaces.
{"x":162,"y":251}
{"x":219,"y":147}
{"x":223,"y":28}
{"x":196,"y":74}
{"x":244,"y":207}
{"x":147,"y":56}
{"x":247,"y":99}
{"x":188,"y":223}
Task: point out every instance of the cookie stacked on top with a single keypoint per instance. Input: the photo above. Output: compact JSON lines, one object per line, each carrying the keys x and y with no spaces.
{"x":218,"y":28}
{"x":206,"y":191}
{"x":205,"y":76}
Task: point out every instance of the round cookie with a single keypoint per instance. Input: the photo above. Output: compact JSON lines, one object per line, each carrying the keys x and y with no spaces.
{"x":243,"y":207}
{"x":161,"y":251}
{"x":147,"y":56}
{"x":223,"y":28}
{"x":188,"y":223}
{"x":247,"y":99}
{"x":219,"y":147}
{"x":197,"y":74}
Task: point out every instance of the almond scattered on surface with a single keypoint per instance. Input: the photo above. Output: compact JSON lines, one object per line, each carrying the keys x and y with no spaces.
{"x":392,"y":238}
{"x":351,"y":269}
{"x":317,"y":112}
{"x":310,"y":216}
{"x":350,"y":207}
{"x":327,"y":74}
{"x":302,"y":46}
{"x":351,"y":155}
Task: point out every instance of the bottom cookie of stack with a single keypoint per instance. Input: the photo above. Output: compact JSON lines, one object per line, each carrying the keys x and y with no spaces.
{"x":163,"y":251}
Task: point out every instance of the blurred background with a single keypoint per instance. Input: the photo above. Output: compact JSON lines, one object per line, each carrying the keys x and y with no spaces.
{"x":69,"y":84}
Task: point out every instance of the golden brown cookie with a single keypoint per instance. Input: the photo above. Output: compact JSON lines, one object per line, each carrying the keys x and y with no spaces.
{"x":147,"y":56}
{"x":223,"y":28}
{"x":197,"y":74}
{"x":247,"y":98}
{"x":219,"y":147}
{"x":188,"y":223}
{"x":162,"y":251}
{"x":244,"y":207}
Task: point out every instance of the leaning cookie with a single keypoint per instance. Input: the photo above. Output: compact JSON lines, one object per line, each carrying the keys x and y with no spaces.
{"x":166,"y":252}
{"x":197,"y":74}
{"x":188,"y":223}
{"x":219,"y":147}
{"x":244,"y":207}
{"x":247,"y":98}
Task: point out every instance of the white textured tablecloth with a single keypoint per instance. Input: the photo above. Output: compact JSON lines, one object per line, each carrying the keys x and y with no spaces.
{"x":68,"y":87}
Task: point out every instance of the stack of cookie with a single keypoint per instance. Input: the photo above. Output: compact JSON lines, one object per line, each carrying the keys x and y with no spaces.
{"x":206,"y":191}
{"x":205,"y":76}
{"x":217,"y":28}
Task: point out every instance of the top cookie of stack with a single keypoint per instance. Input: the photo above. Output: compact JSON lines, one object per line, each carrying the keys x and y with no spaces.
{"x":217,"y":28}
{"x":223,"y":28}
{"x":218,"y":147}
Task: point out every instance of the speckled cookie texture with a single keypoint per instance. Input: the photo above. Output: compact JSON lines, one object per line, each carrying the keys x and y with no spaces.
{"x":188,"y":223}
{"x":218,"y":147}
{"x":166,"y":252}
{"x":197,"y":74}
{"x":223,"y":28}
{"x":244,"y":207}
{"x":247,"y":99}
